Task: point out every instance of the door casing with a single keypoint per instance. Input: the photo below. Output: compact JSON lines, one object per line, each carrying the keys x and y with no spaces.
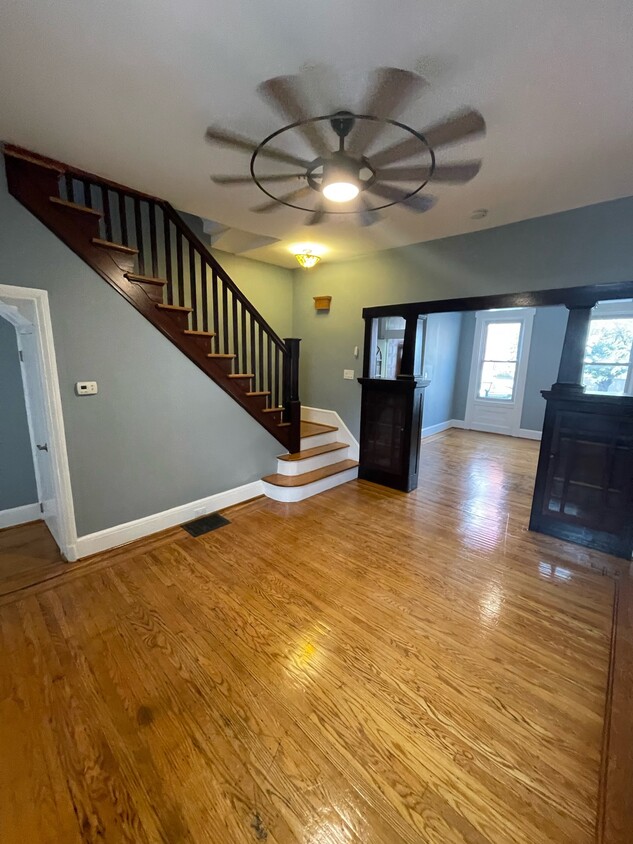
{"x":499,"y":416}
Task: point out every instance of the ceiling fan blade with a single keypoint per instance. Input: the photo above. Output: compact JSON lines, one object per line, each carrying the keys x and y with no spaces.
{"x":458,"y":173}
{"x":460,"y":125}
{"x":239,"y":142}
{"x":367,"y":216}
{"x":317,"y":216}
{"x":457,"y":127}
{"x":275,"y":204}
{"x":391,"y":91}
{"x":403,"y":174}
{"x":419,"y":202}
{"x":284,"y":94}
{"x":244,"y":180}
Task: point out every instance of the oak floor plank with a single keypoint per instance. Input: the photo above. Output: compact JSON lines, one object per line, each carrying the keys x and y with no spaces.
{"x":365,"y":666}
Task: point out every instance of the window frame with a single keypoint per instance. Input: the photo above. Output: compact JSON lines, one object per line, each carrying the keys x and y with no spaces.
{"x":611,"y":310}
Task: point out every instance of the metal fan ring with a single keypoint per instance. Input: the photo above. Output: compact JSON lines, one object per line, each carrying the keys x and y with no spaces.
{"x":425,"y":147}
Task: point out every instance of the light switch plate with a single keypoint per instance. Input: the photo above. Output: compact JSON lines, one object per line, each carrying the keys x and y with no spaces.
{"x":348,"y":374}
{"x":86,"y":388}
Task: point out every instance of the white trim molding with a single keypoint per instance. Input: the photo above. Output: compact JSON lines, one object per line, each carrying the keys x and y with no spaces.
{"x":528,"y":434}
{"x":331,"y":417}
{"x":112,"y":537}
{"x":20,"y":515}
{"x":488,"y":414}
{"x":523,"y":433}
{"x":62,"y":521}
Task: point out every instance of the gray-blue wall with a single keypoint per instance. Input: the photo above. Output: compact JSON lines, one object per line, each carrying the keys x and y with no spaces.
{"x":17,"y":476}
{"x":441,"y":348}
{"x":160,"y":433}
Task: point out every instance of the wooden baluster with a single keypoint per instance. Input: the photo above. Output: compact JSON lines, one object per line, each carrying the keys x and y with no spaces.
{"x":70,"y":187}
{"x":152,"y":238}
{"x":180,"y":269}
{"x":260,"y":362}
{"x":235,"y":337}
{"x":107,"y":216}
{"x":275,"y":402}
{"x":216,"y":312}
{"x":123,"y":220}
{"x":253,"y":357}
{"x":269,"y":362}
{"x":195,"y":317}
{"x":138,"y":225}
{"x":225,"y":319}
{"x":87,"y":193}
{"x":168,"y":267}
{"x":204,"y":283}
{"x":243,"y":355}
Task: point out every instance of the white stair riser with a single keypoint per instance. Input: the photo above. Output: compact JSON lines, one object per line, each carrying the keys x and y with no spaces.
{"x":300,"y":467}
{"x":318,"y":439}
{"x":300,"y":493}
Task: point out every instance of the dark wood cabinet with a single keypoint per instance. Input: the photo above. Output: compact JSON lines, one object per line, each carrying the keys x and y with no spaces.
{"x":390,"y":432}
{"x":584,"y":482}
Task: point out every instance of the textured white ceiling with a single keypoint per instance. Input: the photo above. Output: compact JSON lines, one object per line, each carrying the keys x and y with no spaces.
{"x":127,"y":89}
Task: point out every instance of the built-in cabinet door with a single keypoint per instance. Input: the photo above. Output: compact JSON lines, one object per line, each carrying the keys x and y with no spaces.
{"x":498,"y":370}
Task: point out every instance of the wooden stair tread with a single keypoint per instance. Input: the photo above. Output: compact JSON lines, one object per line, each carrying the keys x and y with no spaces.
{"x":74,"y":206}
{"x":194,"y":333}
{"x":313,"y":452}
{"x":272,"y":410}
{"x":146,"y":279}
{"x":311,"y":429}
{"x":259,"y":393}
{"x":241,"y":375}
{"x":118,"y":247}
{"x":182,"y":308}
{"x":310,"y":477}
{"x":221,"y":355}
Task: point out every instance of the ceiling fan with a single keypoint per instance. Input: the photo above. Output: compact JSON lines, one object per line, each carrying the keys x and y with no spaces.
{"x":345,"y":177}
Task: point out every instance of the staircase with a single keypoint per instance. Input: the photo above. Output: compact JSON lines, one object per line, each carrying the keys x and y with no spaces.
{"x":141,"y":247}
{"x":322,"y":462}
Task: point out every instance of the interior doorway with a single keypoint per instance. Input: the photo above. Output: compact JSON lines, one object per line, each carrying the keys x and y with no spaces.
{"x":498,"y":370}
{"x":27,"y":311}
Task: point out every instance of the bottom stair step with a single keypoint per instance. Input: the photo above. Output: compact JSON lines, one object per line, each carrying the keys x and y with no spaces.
{"x":310,"y":477}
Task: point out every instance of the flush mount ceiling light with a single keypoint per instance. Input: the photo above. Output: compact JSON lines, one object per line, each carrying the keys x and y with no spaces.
{"x":347,"y":176}
{"x":307,"y":259}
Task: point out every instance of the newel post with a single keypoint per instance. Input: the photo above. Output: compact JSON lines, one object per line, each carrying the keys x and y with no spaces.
{"x":292,"y":404}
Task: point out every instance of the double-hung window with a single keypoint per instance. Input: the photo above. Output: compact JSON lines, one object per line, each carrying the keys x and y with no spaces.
{"x":608,"y":361}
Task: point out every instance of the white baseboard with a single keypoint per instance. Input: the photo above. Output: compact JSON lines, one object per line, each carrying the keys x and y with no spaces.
{"x":112,"y":537}
{"x":20,"y":515}
{"x":527,"y":434}
{"x":441,"y":426}
{"x":331,"y":417}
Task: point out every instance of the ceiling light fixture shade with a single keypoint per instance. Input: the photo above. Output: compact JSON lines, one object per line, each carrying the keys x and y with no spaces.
{"x":307,"y":260}
{"x":340,"y":180}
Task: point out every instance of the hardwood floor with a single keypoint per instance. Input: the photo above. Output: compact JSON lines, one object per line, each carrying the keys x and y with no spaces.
{"x":364,"y":666}
{"x":28,"y":554}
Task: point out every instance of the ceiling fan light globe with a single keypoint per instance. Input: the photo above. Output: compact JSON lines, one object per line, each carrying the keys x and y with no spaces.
{"x":340,"y":191}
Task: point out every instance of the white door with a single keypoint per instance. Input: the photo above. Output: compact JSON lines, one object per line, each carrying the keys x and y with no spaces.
{"x":498,"y":370}
{"x":38,"y":427}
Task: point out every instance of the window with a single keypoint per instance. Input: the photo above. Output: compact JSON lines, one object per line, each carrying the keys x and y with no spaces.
{"x":498,"y":367}
{"x":607,"y":364}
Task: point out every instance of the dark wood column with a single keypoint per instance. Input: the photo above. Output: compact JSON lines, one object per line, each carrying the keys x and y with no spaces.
{"x":412,"y":346}
{"x":570,"y":369}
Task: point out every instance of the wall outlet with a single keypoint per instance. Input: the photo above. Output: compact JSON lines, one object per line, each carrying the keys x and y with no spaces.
{"x":348,"y":374}
{"x":86,"y":388}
